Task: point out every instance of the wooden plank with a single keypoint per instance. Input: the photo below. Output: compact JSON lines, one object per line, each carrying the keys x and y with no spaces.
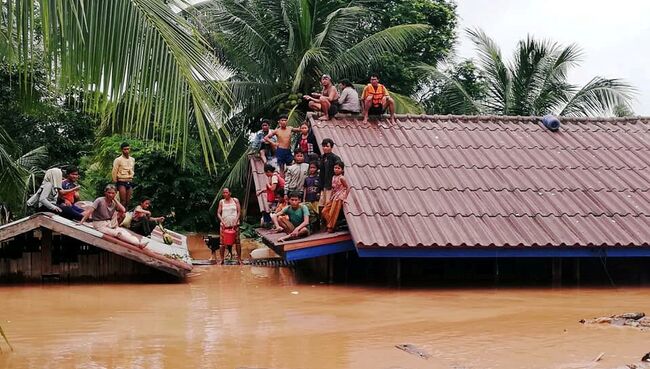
{"x":19,"y":227}
{"x":46,"y":252}
{"x":317,"y":242}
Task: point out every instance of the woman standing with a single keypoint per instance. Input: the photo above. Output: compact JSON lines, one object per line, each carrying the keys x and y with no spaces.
{"x":229,"y":213}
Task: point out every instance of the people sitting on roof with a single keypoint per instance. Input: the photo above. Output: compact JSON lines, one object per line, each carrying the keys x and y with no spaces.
{"x":306,"y":142}
{"x":339,"y":194}
{"x":326,"y":173}
{"x":229,"y":214}
{"x":376,"y":100}
{"x":103,"y":212}
{"x":296,"y":225}
{"x":295,"y":174}
{"x":69,"y":194}
{"x":265,"y":149}
{"x":142,"y":222}
{"x":283,"y":145}
{"x":349,"y":98}
{"x":274,"y":186}
{"x":326,"y":101}
{"x":47,"y":196}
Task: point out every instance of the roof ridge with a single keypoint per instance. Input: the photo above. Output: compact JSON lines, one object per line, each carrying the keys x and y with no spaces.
{"x":602,"y":167}
{"x":527,"y":189}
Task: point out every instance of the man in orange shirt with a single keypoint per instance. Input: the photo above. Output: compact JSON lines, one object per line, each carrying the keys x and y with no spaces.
{"x":376,"y":99}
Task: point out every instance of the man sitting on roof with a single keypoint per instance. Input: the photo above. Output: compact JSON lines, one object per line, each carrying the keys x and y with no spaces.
{"x":143,"y":223}
{"x":297,"y":223}
{"x":376,"y":99}
{"x":326,"y":101}
{"x":349,"y":99}
{"x":258,"y":145}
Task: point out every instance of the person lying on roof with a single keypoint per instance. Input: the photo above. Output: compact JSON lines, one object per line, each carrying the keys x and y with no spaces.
{"x":326,"y":101}
{"x":376,"y":100}
{"x":102,"y":211}
{"x":296,"y":225}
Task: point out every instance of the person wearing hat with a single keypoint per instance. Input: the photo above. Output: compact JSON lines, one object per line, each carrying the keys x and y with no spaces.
{"x":326,"y":101}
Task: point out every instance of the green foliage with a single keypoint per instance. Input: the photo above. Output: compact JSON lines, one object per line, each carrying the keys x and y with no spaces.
{"x":535,"y":82}
{"x":397,"y":70}
{"x":138,"y":64}
{"x":185,"y":190}
{"x":443,"y":96}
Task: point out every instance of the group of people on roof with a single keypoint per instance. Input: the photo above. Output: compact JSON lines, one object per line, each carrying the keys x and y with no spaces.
{"x":375,"y":99}
{"x":107,"y":215}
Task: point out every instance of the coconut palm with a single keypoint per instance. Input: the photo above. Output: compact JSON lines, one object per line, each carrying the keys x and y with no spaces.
{"x":16,"y":172}
{"x":534,"y":82}
{"x":279,"y":49}
{"x":138,"y":63}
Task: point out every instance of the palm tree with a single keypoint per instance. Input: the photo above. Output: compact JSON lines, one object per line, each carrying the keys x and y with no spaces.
{"x":534,"y":82}
{"x":280,"y":48}
{"x":137,"y":63}
{"x":277,"y":51}
{"x":16,"y":172}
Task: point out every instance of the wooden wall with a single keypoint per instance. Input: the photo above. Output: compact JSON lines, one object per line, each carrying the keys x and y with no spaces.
{"x":45,"y":256}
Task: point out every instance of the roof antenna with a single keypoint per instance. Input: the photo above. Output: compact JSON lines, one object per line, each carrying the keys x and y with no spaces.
{"x":551,"y":122}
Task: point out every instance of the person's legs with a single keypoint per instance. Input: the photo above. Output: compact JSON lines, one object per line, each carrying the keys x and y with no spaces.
{"x":263,"y":155}
{"x":69,"y":213}
{"x":333,"y":214}
{"x":366,"y":108}
{"x":286,"y":225}
{"x":315,"y":106}
{"x":238,"y":245}
{"x":325,"y":108}
{"x":129,"y":191}
{"x":121,"y":189}
{"x":388,"y":102}
{"x":222,"y":248}
{"x":124,"y":235}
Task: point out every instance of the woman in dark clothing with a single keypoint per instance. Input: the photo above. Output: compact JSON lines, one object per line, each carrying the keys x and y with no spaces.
{"x":307,"y":143}
{"x":143,"y":223}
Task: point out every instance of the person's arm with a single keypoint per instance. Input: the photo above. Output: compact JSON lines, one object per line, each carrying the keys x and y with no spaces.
{"x":116,"y":168}
{"x":305,"y":221}
{"x":44,"y":200}
{"x":332,"y":95}
{"x":267,"y":138}
{"x":139,"y":209}
{"x":87,"y":213}
{"x":219,"y":210}
{"x":344,"y":183}
{"x":120,"y":208}
{"x":304,"y":190}
{"x":238,"y":211}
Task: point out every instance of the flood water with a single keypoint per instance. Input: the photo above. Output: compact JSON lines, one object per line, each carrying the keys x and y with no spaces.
{"x":253,"y":317}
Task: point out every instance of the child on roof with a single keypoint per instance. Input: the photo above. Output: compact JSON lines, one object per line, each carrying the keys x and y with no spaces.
{"x":339,"y":194}
{"x":296,"y":224}
{"x":295,"y":174}
{"x":307,"y":143}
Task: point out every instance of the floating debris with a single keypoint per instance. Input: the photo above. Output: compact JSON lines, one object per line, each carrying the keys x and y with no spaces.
{"x":414,"y":350}
{"x":636,"y":320}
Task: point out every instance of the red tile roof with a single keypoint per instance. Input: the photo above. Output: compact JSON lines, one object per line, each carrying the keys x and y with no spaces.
{"x":437,"y":181}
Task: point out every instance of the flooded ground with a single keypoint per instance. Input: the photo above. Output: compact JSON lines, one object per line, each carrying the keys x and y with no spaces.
{"x":252,"y":317}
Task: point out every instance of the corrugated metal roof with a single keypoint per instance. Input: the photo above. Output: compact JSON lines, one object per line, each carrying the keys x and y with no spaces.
{"x":260,"y":180}
{"x":441,"y":181}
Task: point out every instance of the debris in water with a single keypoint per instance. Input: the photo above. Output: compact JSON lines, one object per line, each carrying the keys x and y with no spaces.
{"x":646,"y":357}
{"x":294,"y":292}
{"x":599,"y":357}
{"x":636,"y":320}
{"x":412,"y":349}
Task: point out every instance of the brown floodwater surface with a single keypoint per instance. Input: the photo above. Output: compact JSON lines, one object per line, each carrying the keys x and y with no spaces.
{"x":253,"y":317}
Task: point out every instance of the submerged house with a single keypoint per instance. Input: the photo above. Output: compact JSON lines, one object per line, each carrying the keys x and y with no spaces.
{"x":48,"y":246}
{"x":487,"y":186}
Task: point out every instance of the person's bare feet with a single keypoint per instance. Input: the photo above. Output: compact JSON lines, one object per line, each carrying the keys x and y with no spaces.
{"x":365,"y":120}
{"x":392,"y":119}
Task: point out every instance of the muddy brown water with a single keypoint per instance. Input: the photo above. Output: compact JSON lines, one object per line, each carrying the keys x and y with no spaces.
{"x":252,"y":317}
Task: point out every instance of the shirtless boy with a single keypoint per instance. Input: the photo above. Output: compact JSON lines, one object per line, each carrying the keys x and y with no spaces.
{"x":283,"y":146}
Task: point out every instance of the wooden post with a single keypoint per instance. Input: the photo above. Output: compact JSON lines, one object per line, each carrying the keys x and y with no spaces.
{"x":46,"y":252}
{"x":556,"y":270}
{"x":249,"y":182}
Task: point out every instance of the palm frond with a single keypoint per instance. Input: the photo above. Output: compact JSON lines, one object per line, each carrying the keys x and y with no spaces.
{"x":138,"y":63}
{"x":599,"y":97}
{"x":457,"y":98}
{"x":394,"y":39}
{"x":495,"y":70}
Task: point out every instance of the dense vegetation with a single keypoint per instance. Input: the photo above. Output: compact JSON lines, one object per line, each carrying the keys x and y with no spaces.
{"x":187,"y":87}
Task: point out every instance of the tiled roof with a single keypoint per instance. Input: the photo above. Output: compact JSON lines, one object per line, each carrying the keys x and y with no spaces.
{"x":438,"y":181}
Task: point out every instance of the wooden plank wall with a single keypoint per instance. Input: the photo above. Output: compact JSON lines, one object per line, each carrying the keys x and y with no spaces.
{"x":43,"y":256}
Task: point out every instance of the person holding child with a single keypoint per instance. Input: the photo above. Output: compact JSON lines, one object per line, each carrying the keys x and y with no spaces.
{"x":339,"y":194}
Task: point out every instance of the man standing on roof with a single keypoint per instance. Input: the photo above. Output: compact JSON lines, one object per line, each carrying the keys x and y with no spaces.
{"x":327,"y":162}
{"x":266,"y":150}
{"x":326,"y":101}
{"x":376,"y":99}
{"x":283,"y":148}
{"x":123,"y":172}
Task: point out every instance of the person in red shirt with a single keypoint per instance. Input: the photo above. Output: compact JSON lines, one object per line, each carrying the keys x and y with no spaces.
{"x":376,"y":99}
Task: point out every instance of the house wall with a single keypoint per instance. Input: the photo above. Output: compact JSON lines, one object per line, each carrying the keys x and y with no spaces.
{"x":42,"y":255}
